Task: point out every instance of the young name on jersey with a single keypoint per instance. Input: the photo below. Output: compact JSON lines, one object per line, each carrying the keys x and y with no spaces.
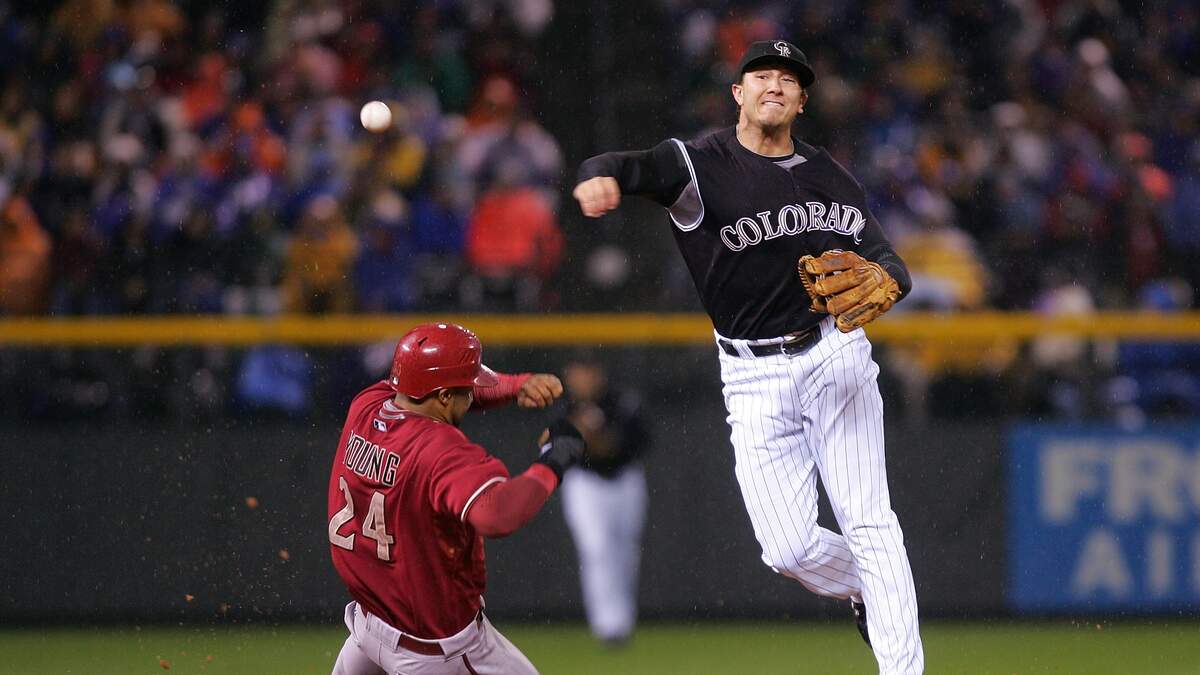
{"x":371,"y":461}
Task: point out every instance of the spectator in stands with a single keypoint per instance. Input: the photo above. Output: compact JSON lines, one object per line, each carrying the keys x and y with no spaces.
{"x":435,"y":59}
{"x":1183,"y":220}
{"x":153,"y":20}
{"x":1060,"y":367}
{"x":21,"y":135}
{"x":249,"y":171}
{"x":78,"y":253}
{"x":320,"y":146}
{"x":251,"y":268}
{"x":183,"y":187}
{"x":395,"y":157}
{"x":317,"y":275}
{"x":24,"y":256}
{"x":513,"y":243}
{"x":948,"y":275}
{"x":192,"y":262}
{"x":944,"y":261}
{"x":438,"y":242}
{"x":1136,"y":247}
{"x":382,"y":271}
{"x":498,"y":131}
{"x":206,"y":98}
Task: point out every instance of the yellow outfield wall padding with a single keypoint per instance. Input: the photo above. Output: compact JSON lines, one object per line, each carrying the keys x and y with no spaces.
{"x":564,"y":329}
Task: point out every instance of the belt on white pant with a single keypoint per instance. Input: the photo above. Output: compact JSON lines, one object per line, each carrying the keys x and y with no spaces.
{"x":789,"y":345}
{"x":391,"y":635}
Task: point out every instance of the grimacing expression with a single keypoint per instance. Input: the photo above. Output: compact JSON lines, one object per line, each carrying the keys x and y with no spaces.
{"x":770,"y":96}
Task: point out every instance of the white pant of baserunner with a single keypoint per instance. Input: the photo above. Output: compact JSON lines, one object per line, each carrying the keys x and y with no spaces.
{"x":605,"y":516}
{"x":792,"y":418}
{"x":479,"y":649}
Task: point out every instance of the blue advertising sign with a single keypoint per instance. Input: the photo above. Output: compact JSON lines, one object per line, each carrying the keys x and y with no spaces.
{"x":1102,"y":519}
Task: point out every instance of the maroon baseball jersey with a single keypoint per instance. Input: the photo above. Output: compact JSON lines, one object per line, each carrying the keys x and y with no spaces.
{"x":398,"y":497}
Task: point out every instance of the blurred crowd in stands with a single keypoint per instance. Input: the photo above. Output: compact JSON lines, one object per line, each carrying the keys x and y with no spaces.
{"x":156,"y":159}
{"x":1013,"y":149}
{"x":207,"y":158}
{"x":1037,"y":155}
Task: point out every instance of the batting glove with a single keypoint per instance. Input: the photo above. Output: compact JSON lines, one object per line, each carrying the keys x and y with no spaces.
{"x":563,"y":447}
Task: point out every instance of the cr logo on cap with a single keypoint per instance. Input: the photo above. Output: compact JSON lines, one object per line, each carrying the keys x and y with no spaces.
{"x":784,"y":49}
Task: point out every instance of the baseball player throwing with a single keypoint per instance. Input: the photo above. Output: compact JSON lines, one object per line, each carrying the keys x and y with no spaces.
{"x":411,"y":498}
{"x":790,"y":263}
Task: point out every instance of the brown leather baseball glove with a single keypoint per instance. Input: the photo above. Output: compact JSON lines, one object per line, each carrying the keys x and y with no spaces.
{"x":848,"y":286}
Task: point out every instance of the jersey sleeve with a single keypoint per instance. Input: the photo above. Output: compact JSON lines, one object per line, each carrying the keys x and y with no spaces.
{"x":876,"y":248}
{"x":502,"y":393}
{"x":460,"y":475}
{"x":505,"y":508}
{"x":660,"y":173}
{"x":874,"y":244}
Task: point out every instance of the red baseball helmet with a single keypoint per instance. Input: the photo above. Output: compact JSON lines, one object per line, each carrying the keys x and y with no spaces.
{"x":438,"y":356}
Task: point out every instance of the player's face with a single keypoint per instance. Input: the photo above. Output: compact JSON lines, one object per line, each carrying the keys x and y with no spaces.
{"x":770,"y":97}
{"x":459,"y":403}
{"x":584,"y":381}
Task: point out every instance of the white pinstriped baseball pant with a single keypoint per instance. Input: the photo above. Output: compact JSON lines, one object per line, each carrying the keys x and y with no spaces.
{"x":606,"y":516}
{"x":792,"y":417}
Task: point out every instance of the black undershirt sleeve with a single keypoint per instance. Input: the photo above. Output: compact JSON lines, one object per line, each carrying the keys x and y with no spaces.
{"x":659,"y":173}
{"x":876,"y":248}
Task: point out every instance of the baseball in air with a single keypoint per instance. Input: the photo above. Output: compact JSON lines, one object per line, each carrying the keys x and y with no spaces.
{"x":376,"y":116}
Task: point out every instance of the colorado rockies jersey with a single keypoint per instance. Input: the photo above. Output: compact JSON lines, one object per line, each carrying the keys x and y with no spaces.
{"x":743,"y":220}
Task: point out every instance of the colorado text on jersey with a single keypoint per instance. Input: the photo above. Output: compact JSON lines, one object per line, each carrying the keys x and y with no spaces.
{"x":792,"y":219}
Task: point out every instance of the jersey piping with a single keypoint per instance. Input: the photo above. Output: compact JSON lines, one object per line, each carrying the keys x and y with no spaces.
{"x":389,"y":411}
{"x":491,"y":481}
{"x":689,"y":205}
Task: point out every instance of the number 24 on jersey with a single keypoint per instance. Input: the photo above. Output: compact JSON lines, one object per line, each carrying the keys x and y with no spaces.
{"x":373,"y":526}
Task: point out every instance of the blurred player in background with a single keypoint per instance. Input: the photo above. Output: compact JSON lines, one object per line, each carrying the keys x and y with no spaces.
{"x":411,"y":498}
{"x":605,"y":502}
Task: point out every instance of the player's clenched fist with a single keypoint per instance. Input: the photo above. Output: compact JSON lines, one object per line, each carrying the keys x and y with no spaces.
{"x":597,"y":196}
{"x":539,"y":391}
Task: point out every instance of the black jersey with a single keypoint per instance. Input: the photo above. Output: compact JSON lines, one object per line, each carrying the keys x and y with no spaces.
{"x":743,"y":220}
{"x":621,"y":437}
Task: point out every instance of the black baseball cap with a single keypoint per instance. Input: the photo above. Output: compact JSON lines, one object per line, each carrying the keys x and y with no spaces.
{"x":779,"y":52}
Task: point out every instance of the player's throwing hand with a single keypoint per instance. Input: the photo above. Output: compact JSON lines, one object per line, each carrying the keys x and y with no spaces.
{"x":539,"y":391}
{"x":597,"y":196}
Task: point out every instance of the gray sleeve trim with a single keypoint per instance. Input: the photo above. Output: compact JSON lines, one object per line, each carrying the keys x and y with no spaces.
{"x":688,"y":209}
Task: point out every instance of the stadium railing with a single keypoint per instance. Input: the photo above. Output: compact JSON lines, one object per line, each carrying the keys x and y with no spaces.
{"x":566,"y":329}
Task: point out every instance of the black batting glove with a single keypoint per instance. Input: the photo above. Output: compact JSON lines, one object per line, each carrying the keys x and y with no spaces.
{"x":563,"y":447}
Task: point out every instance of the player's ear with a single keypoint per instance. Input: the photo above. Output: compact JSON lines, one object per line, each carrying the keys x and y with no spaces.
{"x":736,"y":88}
{"x":803,"y":97}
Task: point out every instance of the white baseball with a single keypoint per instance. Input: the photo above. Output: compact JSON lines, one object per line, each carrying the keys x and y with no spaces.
{"x":376,"y":116}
